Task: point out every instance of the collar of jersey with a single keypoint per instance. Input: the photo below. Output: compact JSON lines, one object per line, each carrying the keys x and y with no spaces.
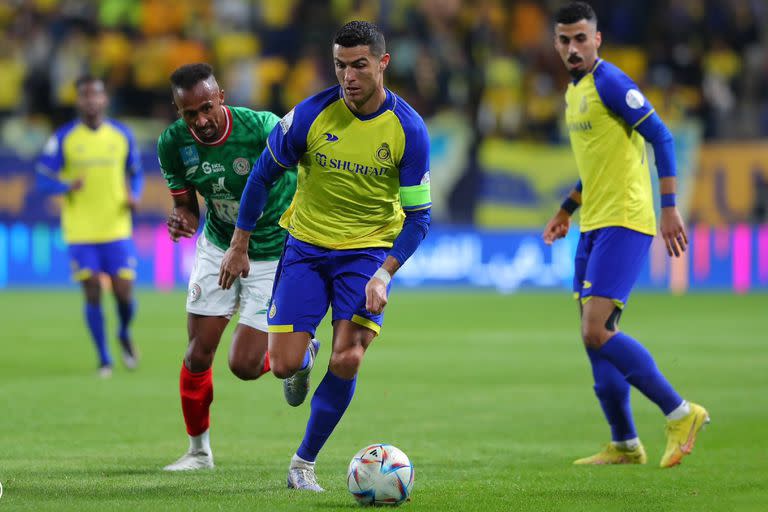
{"x":594,"y":67}
{"x":223,"y":138}
{"x":389,"y":104}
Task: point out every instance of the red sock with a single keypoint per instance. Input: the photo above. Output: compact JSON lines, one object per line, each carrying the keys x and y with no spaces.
{"x":196,"y":397}
{"x":266,"y":367}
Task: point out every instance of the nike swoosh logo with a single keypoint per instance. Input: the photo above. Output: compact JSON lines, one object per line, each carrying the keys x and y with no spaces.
{"x":688,"y":446}
{"x":330,"y":137}
{"x":261,"y":312}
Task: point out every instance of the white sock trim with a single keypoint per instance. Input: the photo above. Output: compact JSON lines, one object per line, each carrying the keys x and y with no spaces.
{"x":628,"y":445}
{"x":201,"y":443}
{"x":680,"y":412}
{"x":297,"y":461}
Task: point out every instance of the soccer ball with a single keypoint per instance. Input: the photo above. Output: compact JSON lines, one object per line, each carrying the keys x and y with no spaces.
{"x":380,"y":474}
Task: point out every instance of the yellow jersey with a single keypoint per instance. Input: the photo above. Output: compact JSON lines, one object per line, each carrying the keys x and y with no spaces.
{"x":603,"y":110}
{"x":356,"y":174}
{"x":107,"y":161}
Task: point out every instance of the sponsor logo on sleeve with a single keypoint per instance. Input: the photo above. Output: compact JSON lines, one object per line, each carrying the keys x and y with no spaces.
{"x":634,"y":99}
{"x":189,"y":156}
{"x":286,"y":122}
{"x":425,"y":178}
{"x":52,"y":146}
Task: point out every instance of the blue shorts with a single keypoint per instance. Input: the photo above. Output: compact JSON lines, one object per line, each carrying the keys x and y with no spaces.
{"x":118,"y":259}
{"x":608,"y":262}
{"x":310,"y":278}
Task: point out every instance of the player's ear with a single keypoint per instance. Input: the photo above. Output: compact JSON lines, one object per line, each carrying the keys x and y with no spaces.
{"x":384,"y":62}
{"x":598,"y":39}
{"x":221,"y":95}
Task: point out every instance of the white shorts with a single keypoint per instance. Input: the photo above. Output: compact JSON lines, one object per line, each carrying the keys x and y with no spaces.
{"x":249,"y":295}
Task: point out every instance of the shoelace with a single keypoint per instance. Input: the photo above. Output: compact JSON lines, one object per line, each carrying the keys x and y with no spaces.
{"x":307,"y":475}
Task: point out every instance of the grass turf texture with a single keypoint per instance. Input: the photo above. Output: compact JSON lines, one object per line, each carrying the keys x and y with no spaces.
{"x":489,"y":395}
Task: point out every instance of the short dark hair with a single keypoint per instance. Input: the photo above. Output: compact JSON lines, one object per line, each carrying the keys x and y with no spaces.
{"x":575,"y":12}
{"x":361,"y":33}
{"x":86,"y":79}
{"x":189,"y":75}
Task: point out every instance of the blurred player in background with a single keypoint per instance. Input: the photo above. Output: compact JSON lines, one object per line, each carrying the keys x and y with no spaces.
{"x":363,"y":156}
{"x":609,"y":120}
{"x":211,"y":150}
{"x":94,"y":163}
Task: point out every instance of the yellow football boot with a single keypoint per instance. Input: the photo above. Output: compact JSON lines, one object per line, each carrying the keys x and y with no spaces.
{"x":612,"y":454}
{"x":681,"y":435}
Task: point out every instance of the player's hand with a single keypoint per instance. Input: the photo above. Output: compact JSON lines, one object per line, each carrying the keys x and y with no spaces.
{"x":673,"y":231}
{"x":557,"y":227}
{"x":182,"y":223}
{"x":234,"y":264}
{"x":76,"y":184}
{"x":375,"y":295}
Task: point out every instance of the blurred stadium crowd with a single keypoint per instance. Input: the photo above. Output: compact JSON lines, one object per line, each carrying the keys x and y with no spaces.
{"x":491,"y":60}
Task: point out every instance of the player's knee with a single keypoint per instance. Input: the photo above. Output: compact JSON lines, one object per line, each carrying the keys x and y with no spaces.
{"x":345,"y":363}
{"x":244,"y":370}
{"x":282,"y":367}
{"x":594,"y":335}
{"x":199,"y":356}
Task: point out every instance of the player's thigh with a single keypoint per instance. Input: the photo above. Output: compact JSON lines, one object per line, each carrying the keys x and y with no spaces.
{"x":615,"y":261}
{"x":118,"y":259}
{"x":84,"y":261}
{"x":580,"y":262}
{"x":204,"y":295}
{"x":350,"y":275}
{"x":301,"y":293}
{"x":256,"y":293}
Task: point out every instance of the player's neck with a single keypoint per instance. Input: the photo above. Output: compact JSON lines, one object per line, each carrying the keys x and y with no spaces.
{"x":371,"y":105}
{"x":92,"y":122}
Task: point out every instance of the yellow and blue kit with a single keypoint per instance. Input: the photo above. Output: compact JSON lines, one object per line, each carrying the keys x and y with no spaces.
{"x":609,"y":121}
{"x":363,"y":192}
{"x":96,"y":218}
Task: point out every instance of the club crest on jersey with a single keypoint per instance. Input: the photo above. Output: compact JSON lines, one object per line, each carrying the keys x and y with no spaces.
{"x":272,"y":310}
{"x":383,"y":153}
{"x":189,"y":156}
{"x":195,"y":292}
{"x":241,"y":166}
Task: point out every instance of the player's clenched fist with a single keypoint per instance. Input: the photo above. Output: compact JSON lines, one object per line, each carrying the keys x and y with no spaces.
{"x":375,"y":295}
{"x":234,"y":264}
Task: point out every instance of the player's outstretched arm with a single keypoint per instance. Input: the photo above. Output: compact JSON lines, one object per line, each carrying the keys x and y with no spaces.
{"x":559,"y":225}
{"x":185,"y":217}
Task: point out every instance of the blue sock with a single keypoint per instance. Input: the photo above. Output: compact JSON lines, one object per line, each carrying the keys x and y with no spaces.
{"x":95,"y":320}
{"x":331,"y":399}
{"x":637,"y":365}
{"x":125,"y":311}
{"x":612,"y":390}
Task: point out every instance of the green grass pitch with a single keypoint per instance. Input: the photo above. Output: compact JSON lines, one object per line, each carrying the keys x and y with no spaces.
{"x":489,"y":395}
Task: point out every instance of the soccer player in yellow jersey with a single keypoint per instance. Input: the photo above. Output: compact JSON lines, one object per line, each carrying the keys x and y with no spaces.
{"x":361,"y":209}
{"x":608,"y":121}
{"x":94,"y":163}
